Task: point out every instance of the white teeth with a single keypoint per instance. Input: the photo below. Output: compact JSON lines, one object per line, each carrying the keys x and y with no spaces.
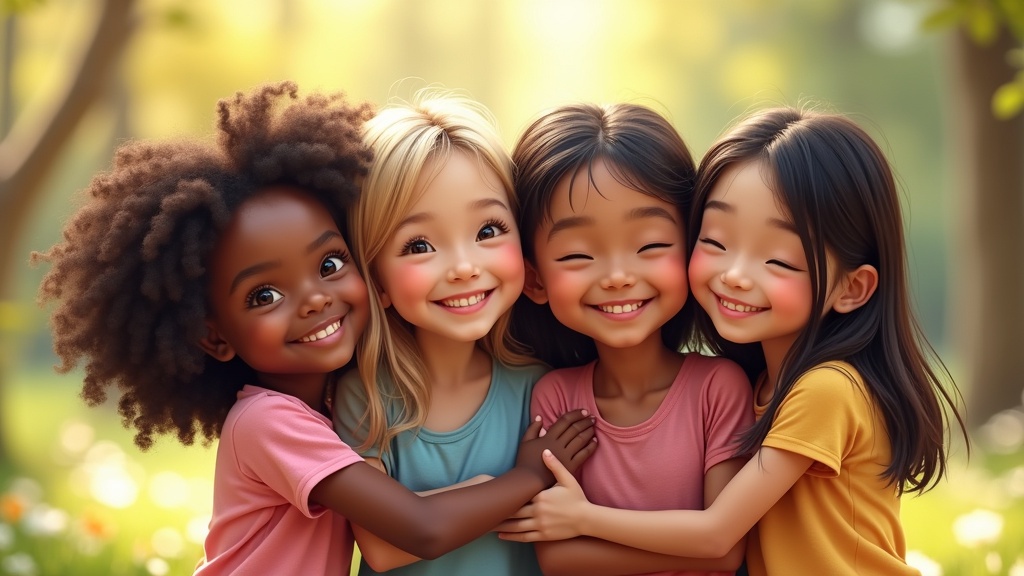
{"x":463,"y":302}
{"x":621,"y":309}
{"x":739,"y":307}
{"x":322,"y":333}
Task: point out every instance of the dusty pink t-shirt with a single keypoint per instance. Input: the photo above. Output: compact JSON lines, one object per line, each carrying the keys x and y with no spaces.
{"x":273,"y":450}
{"x":658,"y":464}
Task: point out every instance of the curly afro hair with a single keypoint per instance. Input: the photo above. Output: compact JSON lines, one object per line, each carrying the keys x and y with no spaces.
{"x":130,"y":273}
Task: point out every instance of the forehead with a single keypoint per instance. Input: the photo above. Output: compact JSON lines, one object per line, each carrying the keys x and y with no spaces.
{"x":456,"y":177}
{"x":276,"y":219}
{"x":596,"y":191}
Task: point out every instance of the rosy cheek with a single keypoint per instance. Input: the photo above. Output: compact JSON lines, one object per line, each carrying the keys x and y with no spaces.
{"x":509,"y":259}
{"x":792,"y":295}
{"x":700,"y":269}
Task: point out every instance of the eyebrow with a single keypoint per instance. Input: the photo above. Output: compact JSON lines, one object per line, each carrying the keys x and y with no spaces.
{"x":264,"y":266}
{"x":474,"y":206}
{"x":729,"y":209}
{"x":634,"y":214}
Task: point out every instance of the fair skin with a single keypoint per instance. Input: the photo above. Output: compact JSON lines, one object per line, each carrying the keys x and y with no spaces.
{"x":611,"y":264}
{"x":451,"y":269}
{"x":750,"y":273}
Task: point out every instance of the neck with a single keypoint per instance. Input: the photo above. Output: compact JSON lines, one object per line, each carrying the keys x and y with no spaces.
{"x":306,"y":387}
{"x":637,"y":369}
{"x":451,"y":362}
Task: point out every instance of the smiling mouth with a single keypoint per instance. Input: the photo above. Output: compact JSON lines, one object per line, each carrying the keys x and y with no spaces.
{"x":622,"y":308}
{"x":739,"y":307}
{"x":322,"y":333}
{"x":464,"y":302}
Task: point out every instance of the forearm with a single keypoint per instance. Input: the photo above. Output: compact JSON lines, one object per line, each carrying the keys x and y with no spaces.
{"x":696,"y":534}
{"x":585,"y":556}
{"x":379,"y":553}
{"x":428,"y":526}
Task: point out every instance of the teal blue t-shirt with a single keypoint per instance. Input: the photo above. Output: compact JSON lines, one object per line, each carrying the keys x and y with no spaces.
{"x":424,"y":460}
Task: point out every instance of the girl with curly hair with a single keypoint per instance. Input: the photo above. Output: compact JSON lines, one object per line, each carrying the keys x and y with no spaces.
{"x":212,"y":285}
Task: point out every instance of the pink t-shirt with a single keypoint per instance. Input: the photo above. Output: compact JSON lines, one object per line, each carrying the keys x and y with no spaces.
{"x":273,"y":450}
{"x":658,"y":464}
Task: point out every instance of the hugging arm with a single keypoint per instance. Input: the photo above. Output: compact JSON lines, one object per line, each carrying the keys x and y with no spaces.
{"x":380,"y":554}
{"x":711,"y":533}
{"x":584,"y":555}
{"x":429,"y":526}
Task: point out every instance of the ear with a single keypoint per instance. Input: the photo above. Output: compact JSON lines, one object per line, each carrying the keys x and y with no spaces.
{"x":385,"y":300}
{"x":856,"y":289}
{"x":533,"y":287}
{"x":215,"y":345}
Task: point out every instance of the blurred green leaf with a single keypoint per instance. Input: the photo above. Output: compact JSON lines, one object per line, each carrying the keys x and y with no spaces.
{"x":1008,"y":100}
{"x":982,"y":24}
{"x":944,"y":18}
{"x":13,"y":317}
{"x":178,"y":17}
{"x":17,"y":6}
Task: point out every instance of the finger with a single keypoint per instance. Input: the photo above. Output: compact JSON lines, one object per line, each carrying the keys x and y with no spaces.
{"x":524,"y":512}
{"x":520,"y":536}
{"x":513,"y":526}
{"x":567,"y":420}
{"x":580,"y":439}
{"x":562,"y":475}
{"x":533,"y":430}
{"x":581,"y":426}
{"x":586,"y":452}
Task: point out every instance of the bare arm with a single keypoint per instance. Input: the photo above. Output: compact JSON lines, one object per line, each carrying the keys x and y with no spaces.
{"x":711,"y":533}
{"x":583,"y":556}
{"x":380,"y":554}
{"x":430,"y":526}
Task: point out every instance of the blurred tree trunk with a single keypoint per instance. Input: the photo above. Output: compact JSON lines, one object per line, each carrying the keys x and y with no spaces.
{"x":28,"y":152}
{"x":987,"y":268}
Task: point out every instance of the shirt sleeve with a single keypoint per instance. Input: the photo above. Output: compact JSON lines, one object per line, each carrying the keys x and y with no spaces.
{"x":728,"y":407}
{"x":351,"y":422}
{"x":549,"y":398}
{"x":288,"y":449}
{"x":819,"y":418}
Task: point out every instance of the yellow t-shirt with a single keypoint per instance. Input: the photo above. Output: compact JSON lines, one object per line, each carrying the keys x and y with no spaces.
{"x":840,"y":517}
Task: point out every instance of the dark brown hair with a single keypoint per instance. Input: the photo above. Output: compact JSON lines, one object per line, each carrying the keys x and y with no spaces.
{"x":130,"y":273}
{"x":839,"y":191}
{"x":643,"y":151}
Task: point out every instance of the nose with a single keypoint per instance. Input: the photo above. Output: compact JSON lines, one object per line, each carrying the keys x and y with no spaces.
{"x":314,"y":303}
{"x":463,"y":270}
{"x":736,"y":277}
{"x":617,"y":278}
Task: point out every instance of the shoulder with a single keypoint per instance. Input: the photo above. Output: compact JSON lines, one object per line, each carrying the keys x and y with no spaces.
{"x":714,"y":372}
{"x":564,"y":378}
{"x":830,"y":381}
{"x":525,"y":375}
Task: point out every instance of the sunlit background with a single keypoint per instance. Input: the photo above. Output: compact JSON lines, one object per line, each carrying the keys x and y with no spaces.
{"x":76,"y":496}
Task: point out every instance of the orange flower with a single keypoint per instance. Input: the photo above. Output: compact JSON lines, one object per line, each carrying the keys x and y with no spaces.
{"x":96,"y":526}
{"x":12,"y":508}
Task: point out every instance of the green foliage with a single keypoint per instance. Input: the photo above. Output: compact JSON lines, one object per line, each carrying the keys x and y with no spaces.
{"x":983,"y":20}
{"x":8,"y":7}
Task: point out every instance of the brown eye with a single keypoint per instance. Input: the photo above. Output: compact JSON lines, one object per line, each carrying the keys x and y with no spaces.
{"x":331,"y":265}
{"x":263,"y":296}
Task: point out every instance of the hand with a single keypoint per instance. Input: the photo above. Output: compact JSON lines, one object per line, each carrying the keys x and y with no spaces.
{"x":551,"y":515}
{"x":570,"y":439}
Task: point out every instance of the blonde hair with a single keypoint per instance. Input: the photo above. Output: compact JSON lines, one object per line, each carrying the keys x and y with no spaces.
{"x":404,"y":137}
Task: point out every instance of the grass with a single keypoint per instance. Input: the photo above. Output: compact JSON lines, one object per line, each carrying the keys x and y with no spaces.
{"x":78,"y":495}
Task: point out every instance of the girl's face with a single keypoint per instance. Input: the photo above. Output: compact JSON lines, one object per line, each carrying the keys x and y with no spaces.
{"x":283,"y":292}
{"x":748,"y":269}
{"x":454,"y":264}
{"x":611,"y":261}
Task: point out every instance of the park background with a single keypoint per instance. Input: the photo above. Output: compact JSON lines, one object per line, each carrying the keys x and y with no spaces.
{"x":937,"y":82}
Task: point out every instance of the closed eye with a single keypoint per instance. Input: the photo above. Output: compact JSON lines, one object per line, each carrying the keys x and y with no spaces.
{"x":654,"y":245}
{"x":712,"y":242}
{"x":569,"y":257}
{"x":782,"y":264}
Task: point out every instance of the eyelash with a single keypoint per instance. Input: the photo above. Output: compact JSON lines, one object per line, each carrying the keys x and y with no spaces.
{"x":499,"y":224}
{"x":252,"y":294}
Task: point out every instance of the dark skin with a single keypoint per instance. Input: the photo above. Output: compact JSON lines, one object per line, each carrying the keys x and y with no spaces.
{"x":285,"y":297}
